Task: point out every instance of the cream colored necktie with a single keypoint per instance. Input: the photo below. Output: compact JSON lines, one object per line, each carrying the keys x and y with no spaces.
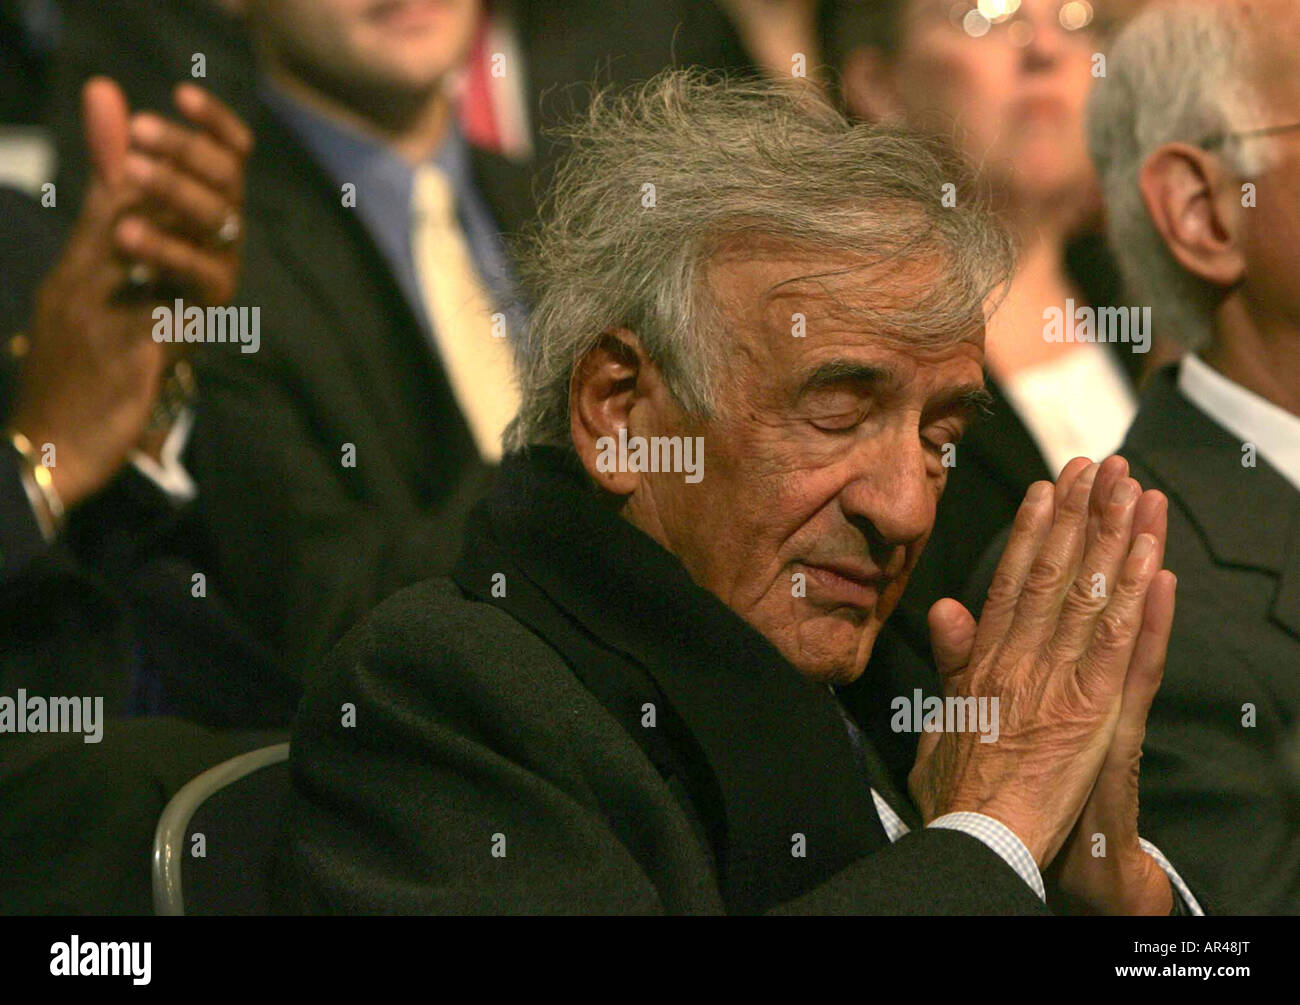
{"x":476,"y":361}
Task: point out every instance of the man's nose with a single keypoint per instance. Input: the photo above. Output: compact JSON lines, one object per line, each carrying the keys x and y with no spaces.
{"x":891,"y":495}
{"x":1043,"y":42}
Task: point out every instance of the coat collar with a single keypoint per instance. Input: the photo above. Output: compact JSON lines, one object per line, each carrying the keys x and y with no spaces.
{"x":773,"y":742}
{"x":1247,"y":516}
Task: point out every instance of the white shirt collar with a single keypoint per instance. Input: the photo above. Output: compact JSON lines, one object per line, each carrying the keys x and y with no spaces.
{"x":1274,"y":431}
{"x":168,"y":473}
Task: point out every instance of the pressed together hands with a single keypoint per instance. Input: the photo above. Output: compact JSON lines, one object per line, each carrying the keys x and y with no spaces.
{"x":1072,"y":641}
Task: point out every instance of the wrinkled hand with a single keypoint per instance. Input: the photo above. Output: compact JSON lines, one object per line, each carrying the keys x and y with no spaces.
{"x":158,"y":194}
{"x":1114,"y":875}
{"x":1078,"y":608}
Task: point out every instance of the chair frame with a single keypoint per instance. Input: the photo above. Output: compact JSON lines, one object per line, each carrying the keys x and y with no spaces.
{"x":169,"y":836}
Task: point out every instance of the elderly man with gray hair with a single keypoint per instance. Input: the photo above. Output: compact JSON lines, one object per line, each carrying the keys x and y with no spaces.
{"x":1196,"y":134}
{"x":758,"y":331}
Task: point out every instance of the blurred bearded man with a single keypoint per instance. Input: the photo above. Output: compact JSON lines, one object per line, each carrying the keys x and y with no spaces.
{"x":346,"y":451}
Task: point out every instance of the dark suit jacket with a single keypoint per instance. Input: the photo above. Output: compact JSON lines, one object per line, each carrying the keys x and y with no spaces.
{"x":306,"y":545}
{"x":622,"y":739}
{"x":1221,"y":798}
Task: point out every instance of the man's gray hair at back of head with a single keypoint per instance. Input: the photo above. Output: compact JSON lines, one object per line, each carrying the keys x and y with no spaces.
{"x":1176,"y":73}
{"x":659,"y":177}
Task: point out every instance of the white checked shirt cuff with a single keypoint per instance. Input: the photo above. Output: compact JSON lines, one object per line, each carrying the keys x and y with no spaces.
{"x":1000,"y":839}
{"x":995,"y":834}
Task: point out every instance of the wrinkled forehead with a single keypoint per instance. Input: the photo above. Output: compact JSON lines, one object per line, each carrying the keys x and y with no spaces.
{"x":770,"y":294}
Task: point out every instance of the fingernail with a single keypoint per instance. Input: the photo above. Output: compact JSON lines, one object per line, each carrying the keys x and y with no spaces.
{"x":1125,"y":492}
{"x":190,"y":94}
{"x":1144,"y":546}
{"x":1089,"y":474}
{"x":146,"y":129}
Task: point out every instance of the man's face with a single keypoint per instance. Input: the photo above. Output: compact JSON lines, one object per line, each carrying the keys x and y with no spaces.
{"x":1016,"y":93}
{"x":823,"y":464}
{"x":402,"y":47}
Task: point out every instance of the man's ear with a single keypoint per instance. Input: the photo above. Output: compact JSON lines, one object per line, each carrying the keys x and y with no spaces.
{"x":1192,"y":203}
{"x":609,"y":381}
{"x":869,"y":86}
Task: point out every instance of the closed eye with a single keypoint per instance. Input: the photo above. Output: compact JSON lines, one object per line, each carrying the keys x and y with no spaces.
{"x":937,"y":437}
{"x":838,"y":424}
{"x":840,"y":420}
{"x":840,"y":412}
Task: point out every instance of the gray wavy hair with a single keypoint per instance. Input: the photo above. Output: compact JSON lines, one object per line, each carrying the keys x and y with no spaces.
{"x":658,"y":177}
{"x":1175,"y":74}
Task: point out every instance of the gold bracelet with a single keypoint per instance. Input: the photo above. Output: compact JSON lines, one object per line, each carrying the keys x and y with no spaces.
{"x":39,"y":475}
{"x":17,"y":346}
